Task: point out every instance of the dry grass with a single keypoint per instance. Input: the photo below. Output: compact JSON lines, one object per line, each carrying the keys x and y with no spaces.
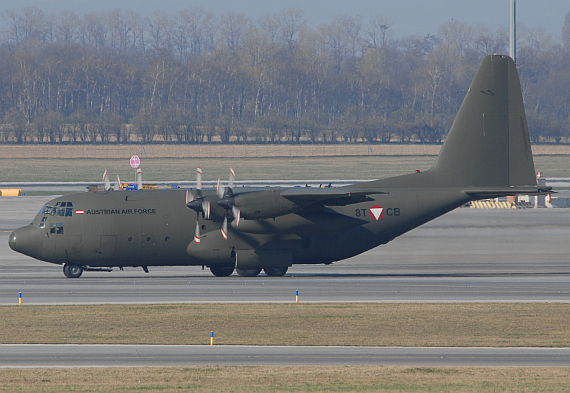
{"x":490,"y":325}
{"x":176,"y":169}
{"x":289,"y":379}
{"x":267,"y":168}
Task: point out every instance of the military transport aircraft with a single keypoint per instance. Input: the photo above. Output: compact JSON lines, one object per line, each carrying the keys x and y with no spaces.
{"x":486,"y":154}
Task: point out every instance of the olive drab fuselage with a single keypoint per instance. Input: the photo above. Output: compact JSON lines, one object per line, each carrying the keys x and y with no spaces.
{"x":154,"y":227}
{"x":486,"y":154}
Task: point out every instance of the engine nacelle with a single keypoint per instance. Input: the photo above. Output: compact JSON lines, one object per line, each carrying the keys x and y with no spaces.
{"x":264,"y":204}
{"x":212,"y":249}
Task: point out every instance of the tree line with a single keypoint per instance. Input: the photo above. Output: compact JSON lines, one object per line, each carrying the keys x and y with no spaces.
{"x":194,"y":77}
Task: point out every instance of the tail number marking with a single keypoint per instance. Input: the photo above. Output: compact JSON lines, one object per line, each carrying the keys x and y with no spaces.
{"x":377,"y":212}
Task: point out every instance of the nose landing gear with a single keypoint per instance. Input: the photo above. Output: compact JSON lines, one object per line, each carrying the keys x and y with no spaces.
{"x":72,"y":271}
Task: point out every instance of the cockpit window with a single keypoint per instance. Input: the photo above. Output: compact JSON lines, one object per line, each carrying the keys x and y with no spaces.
{"x":52,"y":228}
{"x":61,"y":209}
{"x":60,"y":229}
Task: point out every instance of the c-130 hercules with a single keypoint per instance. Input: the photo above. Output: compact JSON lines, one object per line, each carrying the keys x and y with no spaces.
{"x":486,"y":154}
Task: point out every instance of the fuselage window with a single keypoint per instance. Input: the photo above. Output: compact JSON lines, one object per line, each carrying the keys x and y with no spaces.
{"x":60,"y":228}
{"x":52,"y":228}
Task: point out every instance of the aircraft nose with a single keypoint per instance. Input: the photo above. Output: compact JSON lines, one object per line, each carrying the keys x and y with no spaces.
{"x":26,"y":240}
{"x":12,"y":241}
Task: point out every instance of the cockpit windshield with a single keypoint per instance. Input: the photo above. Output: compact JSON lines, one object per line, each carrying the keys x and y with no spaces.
{"x":61,"y":209}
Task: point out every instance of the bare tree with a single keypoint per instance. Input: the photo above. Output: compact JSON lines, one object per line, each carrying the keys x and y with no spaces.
{"x":233,"y":27}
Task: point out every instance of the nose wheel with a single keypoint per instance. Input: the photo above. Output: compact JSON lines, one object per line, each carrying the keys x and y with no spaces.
{"x":72,"y":271}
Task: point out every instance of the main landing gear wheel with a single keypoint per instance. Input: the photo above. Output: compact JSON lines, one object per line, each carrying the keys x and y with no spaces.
{"x":275,"y":271}
{"x":248,"y":272}
{"x":222,"y":271}
{"x":72,"y":271}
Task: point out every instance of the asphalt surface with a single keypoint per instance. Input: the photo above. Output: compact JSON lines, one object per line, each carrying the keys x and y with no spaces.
{"x":469,"y":255}
{"x":16,"y":356}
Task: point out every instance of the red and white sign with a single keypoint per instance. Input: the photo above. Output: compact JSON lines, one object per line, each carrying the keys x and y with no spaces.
{"x":135,"y":161}
{"x":79,"y":212}
{"x":376,"y":212}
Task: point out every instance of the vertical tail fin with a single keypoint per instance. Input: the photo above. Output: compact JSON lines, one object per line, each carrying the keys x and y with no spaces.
{"x":488,"y":144}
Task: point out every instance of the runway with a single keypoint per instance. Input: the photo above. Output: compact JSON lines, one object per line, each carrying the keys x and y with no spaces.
{"x":19,"y":356}
{"x":468,"y":255}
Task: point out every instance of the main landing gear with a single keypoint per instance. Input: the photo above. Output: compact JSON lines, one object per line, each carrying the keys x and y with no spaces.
{"x":222,"y":271}
{"x":225,"y":271}
{"x":72,"y":270}
{"x":248,"y":272}
{"x":275,"y":271}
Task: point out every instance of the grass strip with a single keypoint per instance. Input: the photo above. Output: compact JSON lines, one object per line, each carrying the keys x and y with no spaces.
{"x":254,"y":168}
{"x":368,"y":324}
{"x":238,"y":379}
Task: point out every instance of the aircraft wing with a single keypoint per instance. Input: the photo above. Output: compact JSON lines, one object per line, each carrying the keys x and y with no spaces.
{"x":330,"y":196}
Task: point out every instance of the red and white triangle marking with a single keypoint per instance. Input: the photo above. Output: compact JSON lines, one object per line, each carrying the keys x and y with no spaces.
{"x":376,"y":212}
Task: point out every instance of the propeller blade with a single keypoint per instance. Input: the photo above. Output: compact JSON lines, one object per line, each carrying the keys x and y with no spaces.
{"x":106,"y":180}
{"x":197,"y":232}
{"x":118,"y":182}
{"x":198,"y":178}
{"x":139,"y":178}
{"x":225,"y":229}
{"x":220,"y":189}
{"x":189,"y":197}
{"x":206,"y":209}
{"x":232,"y":178}
{"x":237,"y":214}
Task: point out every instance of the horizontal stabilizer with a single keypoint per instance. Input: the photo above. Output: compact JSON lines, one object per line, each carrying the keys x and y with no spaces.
{"x":500,"y":192}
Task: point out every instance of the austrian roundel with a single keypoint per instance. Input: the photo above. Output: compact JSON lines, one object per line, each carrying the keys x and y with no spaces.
{"x":376,"y":212}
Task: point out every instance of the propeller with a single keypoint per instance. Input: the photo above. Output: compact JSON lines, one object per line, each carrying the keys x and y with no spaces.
{"x":227,"y":201}
{"x":106,"y":180}
{"x":118,"y":182}
{"x":139,"y":179}
{"x":198,"y":204}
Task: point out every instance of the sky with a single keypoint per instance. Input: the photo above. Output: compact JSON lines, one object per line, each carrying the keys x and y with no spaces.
{"x":408,"y":17}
